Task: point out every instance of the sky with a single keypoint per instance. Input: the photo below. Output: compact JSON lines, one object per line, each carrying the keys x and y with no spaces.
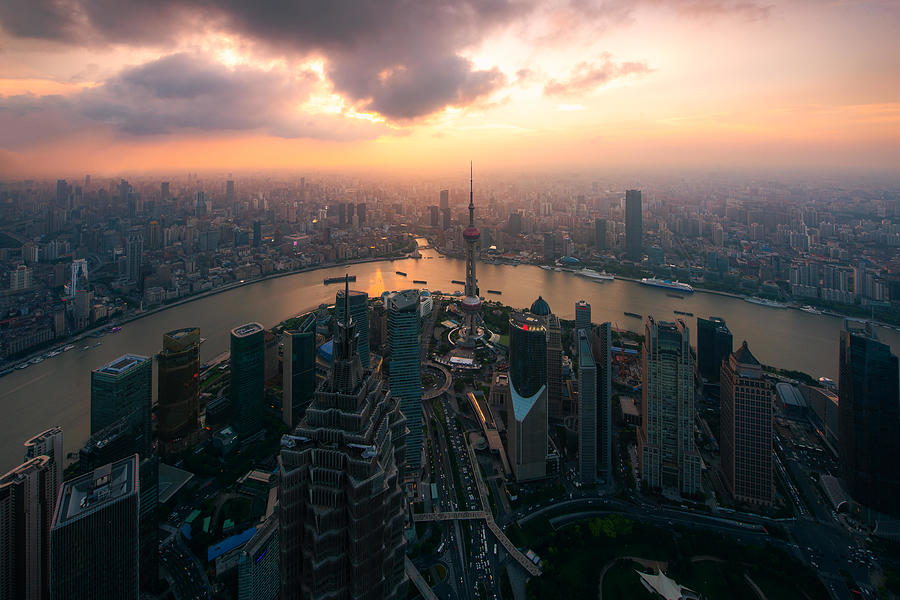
{"x":114,"y":86}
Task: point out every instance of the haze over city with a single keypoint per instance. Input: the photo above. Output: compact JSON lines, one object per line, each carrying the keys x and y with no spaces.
{"x":129,"y":87}
{"x":475,"y":300}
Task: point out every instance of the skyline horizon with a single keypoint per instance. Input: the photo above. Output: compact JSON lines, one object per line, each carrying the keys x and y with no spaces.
{"x":730,"y":84}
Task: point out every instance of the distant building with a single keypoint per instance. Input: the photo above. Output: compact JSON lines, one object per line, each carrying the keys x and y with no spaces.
{"x":134,"y":254}
{"x":714,"y":344}
{"x":868,"y":418}
{"x":634,"y":228}
{"x":666,"y":450}
{"x":554,"y":367}
{"x":600,"y":233}
{"x":20,"y":279}
{"x":124,"y":388}
{"x":359,"y":310}
{"x":587,"y":410}
{"x":94,"y":535}
{"x":298,"y":371}
{"x":247,"y":378}
{"x":48,"y":443}
{"x":27,"y":499}
{"x":527,"y":437}
{"x":341,"y":513}
{"x":258,"y":574}
{"x":405,"y":369}
{"x":745,"y":437}
{"x":582,"y":315}
{"x":178,"y":388}
{"x":601,"y":350}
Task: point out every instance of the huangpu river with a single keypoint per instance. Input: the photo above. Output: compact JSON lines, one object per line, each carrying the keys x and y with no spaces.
{"x":57,"y":390}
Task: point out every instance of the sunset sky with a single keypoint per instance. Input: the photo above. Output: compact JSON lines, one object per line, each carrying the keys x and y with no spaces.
{"x":109,"y":86}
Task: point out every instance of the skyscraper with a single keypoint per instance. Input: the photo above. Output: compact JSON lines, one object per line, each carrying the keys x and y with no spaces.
{"x":94,"y":535}
{"x":445,"y":199}
{"x":124,"y":388}
{"x":714,"y":344}
{"x":134,"y":254}
{"x":48,"y":443}
{"x":587,"y":410}
{"x":359,"y":310}
{"x":257,"y":233}
{"x":27,"y":498}
{"x":600,"y":233}
{"x":868,"y":419}
{"x":527,"y":409}
{"x":634,"y":227}
{"x":178,"y":389}
{"x":434,"y":216}
{"x":112,"y":444}
{"x":601,"y":350}
{"x":554,"y":366}
{"x":258,"y":576}
{"x":405,"y":369}
{"x":582,"y":315}
{"x":298,"y":370}
{"x":361,"y":214}
{"x":666,"y":439}
{"x":247,"y":378}
{"x":341,"y":505}
{"x":745,"y":439}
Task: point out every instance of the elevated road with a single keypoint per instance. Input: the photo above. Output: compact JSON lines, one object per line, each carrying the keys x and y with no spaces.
{"x":413,"y":573}
{"x":462,"y":515}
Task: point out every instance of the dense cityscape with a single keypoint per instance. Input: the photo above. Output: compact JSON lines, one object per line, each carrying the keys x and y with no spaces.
{"x":478,"y":300}
{"x":437,"y":442}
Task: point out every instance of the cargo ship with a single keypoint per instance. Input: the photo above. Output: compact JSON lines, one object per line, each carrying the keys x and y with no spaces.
{"x":419,"y":281}
{"x":634,"y":315}
{"x":498,"y":292}
{"x":667,"y":284}
{"x":339,"y":279}
{"x":400,"y":273}
{"x":686,"y":314}
{"x":456,"y":281}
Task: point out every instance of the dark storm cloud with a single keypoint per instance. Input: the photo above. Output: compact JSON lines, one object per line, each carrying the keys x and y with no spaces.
{"x":178,"y":93}
{"x":399,"y":57}
{"x":589,"y":76}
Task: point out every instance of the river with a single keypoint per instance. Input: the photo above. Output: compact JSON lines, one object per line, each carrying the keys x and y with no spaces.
{"x":57,"y":391}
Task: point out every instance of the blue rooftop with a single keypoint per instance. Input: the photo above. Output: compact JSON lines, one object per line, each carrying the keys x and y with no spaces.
{"x":229,"y":544}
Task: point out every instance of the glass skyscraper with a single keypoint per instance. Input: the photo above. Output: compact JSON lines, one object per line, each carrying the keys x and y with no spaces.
{"x":298,"y":371}
{"x":714,"y":344}
{"x":587,"y":410}
{"x":634,"y":226}
{"x":405,"y":368}
{"x":124,"y":388}
{"x":868,"y":419}
{"x":178,"y":388}
{"x":527,"y":409}
{"x":247,"y":373}
{"x":94,"y":535}
{"x":359,"y":310}
{"x":666,"y":439}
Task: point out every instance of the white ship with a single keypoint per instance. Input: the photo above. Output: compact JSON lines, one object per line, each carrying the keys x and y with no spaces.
{"x":764,"y":302}
{"x":811,"y":310}
{"x":668,"y":284}
{"x":592,"y":274}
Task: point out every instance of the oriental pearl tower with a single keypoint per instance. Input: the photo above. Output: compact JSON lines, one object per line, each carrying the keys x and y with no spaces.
{"x":471,"y":304}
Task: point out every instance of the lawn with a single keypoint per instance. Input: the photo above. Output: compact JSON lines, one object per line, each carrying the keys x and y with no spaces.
{"x":622,"y":581}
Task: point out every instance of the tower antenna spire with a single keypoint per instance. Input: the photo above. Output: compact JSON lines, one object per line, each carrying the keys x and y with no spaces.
{"x":471,"y":198}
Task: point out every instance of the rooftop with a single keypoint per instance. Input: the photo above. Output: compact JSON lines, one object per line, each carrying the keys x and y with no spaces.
{"x":245,"y":330}
{"x":93,"y":491}
{"x":122,"y":364}
{"x":403,"y":300}
{"x":526,"y":322}
{"x":744,"y":356}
